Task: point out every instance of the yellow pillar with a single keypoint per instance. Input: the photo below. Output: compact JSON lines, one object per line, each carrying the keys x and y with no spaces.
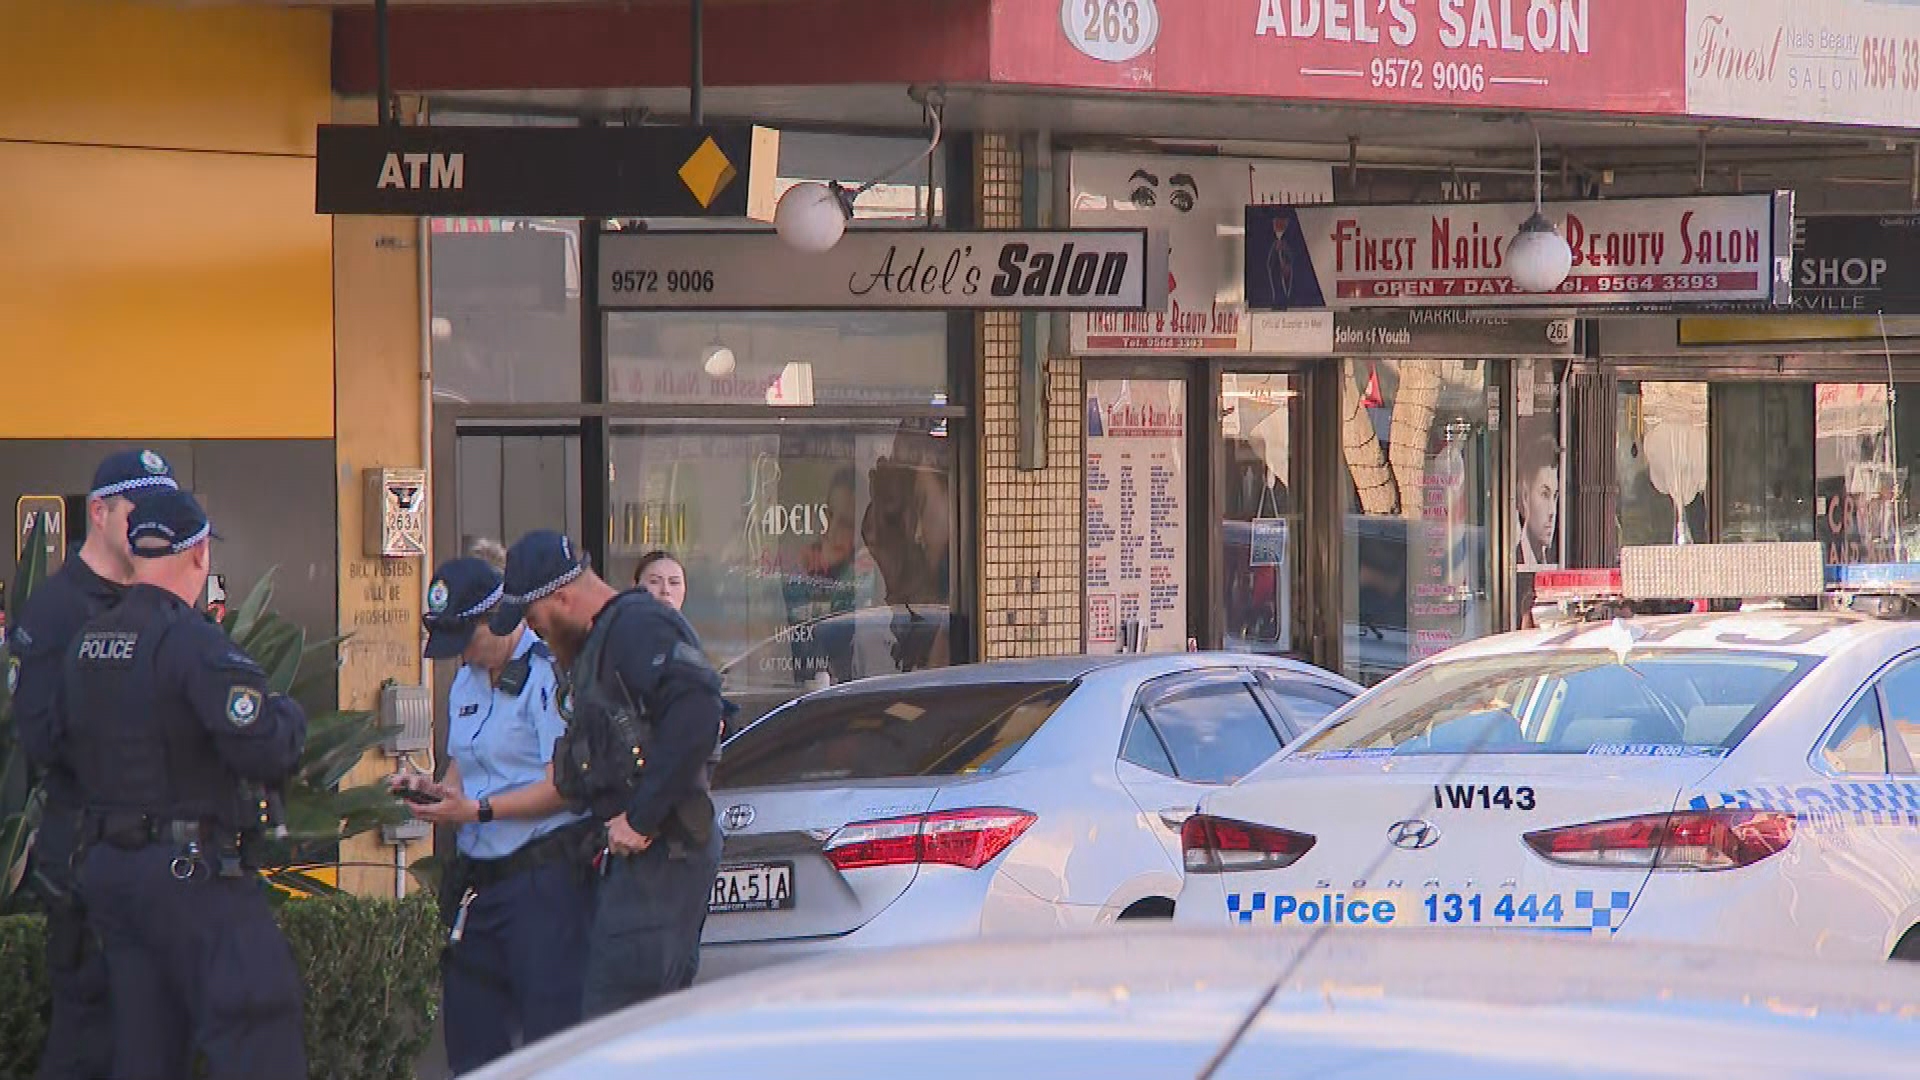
{"x":377,"y":390}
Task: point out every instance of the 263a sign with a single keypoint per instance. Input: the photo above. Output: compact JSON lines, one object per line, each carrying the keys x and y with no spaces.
{"x":1111,"y":30}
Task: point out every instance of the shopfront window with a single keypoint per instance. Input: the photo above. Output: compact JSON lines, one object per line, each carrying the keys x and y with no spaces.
{"x":1765,"y":460}
{"x":1417,"y":562}
{"x":1260,"y":520}
{"x":506,"y":310}
{"x":1661,"y":459}
{"x":789,"y":359}
{"x":1866,"y":449}
{"x":814,"y":553}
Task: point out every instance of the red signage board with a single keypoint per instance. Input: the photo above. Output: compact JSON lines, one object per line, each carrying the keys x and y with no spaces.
{"x":1600,"y":56}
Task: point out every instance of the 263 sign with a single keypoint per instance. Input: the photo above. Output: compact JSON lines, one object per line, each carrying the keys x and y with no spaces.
{"x":1111,"y":30}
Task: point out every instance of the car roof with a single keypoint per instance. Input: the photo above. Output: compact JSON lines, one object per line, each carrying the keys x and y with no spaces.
{"x":1162,"y":1002}
{"x":1071,"y":668}
{"x":1812,"y":633}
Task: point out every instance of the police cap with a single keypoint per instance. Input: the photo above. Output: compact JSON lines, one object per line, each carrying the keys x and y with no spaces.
{"x":167,"y":522}
{"x":538,"y":565}
{"x":132,"y":474}
{"x":462,"y":593}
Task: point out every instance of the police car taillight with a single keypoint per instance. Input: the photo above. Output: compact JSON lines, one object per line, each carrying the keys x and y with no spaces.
{"x":964,"y":838}
{"x":1686,"y":840}
{"x":1216,"y":845}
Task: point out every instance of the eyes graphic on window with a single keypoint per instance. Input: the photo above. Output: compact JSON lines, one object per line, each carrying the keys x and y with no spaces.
{"x":1186,"y":192}
{"x":1145,"y":186}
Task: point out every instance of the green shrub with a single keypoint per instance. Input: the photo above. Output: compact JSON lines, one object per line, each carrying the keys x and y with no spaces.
{"x":371,"y":969}
{"x":23,"y":994}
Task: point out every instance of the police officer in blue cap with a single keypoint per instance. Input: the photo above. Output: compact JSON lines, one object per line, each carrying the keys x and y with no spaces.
{"x":173,"y":734}
{"x":91,"y":580}
{"x":516,"y":896}
{"x":643,"y":709}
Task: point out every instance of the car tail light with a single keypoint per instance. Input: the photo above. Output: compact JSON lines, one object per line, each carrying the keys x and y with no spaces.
{"x":1215,"y":845}
{"x":1687,"y":840}
{"x":967,"y":838}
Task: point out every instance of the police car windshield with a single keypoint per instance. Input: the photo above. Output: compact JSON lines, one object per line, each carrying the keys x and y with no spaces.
{"x":887,"y":734}
{"x":1677,"y":702}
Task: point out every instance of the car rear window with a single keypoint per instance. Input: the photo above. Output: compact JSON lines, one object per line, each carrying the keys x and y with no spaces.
{"x":923,"y":731}
{"x":1666,"y":702}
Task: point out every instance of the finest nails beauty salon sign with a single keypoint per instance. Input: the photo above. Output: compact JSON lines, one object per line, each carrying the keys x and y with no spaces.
{"x":1626,"y":252}
{"x":1055,"y":270}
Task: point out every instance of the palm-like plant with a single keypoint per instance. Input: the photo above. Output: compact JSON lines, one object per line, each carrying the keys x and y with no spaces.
{"x":318,"y":812}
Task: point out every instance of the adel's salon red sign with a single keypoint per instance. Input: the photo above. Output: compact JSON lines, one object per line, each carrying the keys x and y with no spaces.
{"x":1610,"y":56}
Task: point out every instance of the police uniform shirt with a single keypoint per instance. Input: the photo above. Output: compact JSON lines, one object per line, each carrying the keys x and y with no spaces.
{"x":50,"y":619}
{"x":657,"y":657}
{"x":502,"y":743}
{"x":196,"y":673}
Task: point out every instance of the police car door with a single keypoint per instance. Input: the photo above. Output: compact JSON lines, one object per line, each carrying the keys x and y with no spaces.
{"x":1871,"y":829}
{"x":1188,"y":735}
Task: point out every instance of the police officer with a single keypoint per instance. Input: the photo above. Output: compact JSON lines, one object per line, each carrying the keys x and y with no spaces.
{"x":644,"y":710}
{"x":89,"y":581}
{"x":173,"y":735}
{"x":516,"y":896}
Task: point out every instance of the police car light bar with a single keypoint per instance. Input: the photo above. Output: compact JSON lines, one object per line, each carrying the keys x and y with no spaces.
{"x":1895,"y":578}
{"x":1722,"y":571}
{"x":1550,"y":586}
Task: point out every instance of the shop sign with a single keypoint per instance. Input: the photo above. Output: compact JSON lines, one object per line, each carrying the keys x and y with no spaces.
{"x":608,"y":172}
{"x":1857,"y":264}
{"x":891,"y":269}
{"x":49,"y":512}
{"x":1814,"y":61}
{"x":1609,"y":56}
{"x":1627,"y":253}
{"x":1201,"y":205}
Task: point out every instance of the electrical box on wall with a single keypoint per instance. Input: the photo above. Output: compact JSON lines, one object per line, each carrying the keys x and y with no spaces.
{"x":409,"y":708}
{"x":394,"y":513}
{"x":405,"y":832}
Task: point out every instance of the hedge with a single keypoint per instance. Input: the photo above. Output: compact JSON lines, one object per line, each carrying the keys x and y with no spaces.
{"x":371,"y":968}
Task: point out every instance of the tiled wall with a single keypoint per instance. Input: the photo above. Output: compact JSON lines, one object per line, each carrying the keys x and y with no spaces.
{"x":1032,"y":553}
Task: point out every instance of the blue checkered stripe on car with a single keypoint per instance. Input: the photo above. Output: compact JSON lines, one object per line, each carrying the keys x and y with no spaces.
{"x":1880,"y":803}
{"x":1255,"y":903}
{"x":1605,"y":915}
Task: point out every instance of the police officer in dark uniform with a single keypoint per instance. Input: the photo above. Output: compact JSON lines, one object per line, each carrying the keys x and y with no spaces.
{"x":175,"y":737}
{"x":644,"y":711}
{"x":91,"y":580}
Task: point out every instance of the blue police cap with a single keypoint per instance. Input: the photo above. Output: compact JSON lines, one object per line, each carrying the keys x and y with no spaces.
{"x":538,"y":565}
{"x":462,"y":593}
{"x":167,"y":522}
{"x":132,"y":474}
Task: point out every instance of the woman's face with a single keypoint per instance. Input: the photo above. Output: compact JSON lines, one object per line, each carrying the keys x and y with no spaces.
{"x":667,"y":581}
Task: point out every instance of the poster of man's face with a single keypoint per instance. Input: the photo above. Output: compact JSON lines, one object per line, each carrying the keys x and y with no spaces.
{"x":1537,"y":493}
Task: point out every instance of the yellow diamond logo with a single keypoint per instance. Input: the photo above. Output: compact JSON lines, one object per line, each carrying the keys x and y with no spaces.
{"x":707,"y":173}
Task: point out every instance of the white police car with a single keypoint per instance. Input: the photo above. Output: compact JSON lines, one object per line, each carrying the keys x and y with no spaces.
{"x":1750,"y":778}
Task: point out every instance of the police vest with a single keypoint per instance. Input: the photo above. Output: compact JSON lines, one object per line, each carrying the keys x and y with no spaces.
{"x":134,"y":748}
{"x":599,"y":759}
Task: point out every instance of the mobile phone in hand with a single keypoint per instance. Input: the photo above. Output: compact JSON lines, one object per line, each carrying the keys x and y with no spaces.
{"x":416,"y":796}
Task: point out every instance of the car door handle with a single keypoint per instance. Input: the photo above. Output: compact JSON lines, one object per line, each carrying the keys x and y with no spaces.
{"x":1173,"y":817}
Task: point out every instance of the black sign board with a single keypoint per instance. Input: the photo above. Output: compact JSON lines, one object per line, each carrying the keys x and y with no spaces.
{"x":1857,"y":264}
{"x":1451,"y":332}
{"x":547,"y":171}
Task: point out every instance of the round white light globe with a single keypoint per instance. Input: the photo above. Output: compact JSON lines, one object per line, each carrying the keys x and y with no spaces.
{"x":442,"y":328}
{"x":1538,"y":260}
{"x":717,"y":360}
{"x":810,"y":218}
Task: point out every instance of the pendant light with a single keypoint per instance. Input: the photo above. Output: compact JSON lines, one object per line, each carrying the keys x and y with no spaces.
{"x":1538,"y":258}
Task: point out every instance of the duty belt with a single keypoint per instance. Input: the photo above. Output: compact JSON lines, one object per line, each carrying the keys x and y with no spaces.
{"x":561,"y":845}
{"x":131,"y":830}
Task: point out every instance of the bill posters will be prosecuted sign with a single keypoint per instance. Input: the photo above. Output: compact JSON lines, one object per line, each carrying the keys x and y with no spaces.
{"x":1626,"y":252}
{"x":1055,"y":270}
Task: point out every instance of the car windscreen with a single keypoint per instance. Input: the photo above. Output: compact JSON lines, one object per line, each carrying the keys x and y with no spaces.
{"x":879,"y":734}
{"x":1665,"y":702}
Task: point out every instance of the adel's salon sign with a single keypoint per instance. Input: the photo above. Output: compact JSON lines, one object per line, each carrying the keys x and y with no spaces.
{"x":1054,"y":270}
{"x":1619,"y":56}
{"x":1626,"y":253}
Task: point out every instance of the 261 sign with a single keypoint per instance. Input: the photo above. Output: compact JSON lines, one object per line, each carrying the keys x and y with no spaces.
{"x":1111,"y":30}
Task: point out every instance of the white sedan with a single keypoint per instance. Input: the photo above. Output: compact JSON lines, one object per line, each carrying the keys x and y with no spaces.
{"x":1745,"y":779}
{"x":1029,"y":795}
{"x":1164,"y":1005}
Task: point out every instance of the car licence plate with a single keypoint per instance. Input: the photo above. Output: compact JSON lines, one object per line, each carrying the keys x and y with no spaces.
{"x":753,"y":887}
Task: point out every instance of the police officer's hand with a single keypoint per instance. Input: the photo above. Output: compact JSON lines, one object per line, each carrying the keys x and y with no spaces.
{"x":452,"y":811}
{"x":622,"y":840}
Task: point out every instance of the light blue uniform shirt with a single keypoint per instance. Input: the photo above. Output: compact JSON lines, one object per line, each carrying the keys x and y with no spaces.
{"x":503,"y":743}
